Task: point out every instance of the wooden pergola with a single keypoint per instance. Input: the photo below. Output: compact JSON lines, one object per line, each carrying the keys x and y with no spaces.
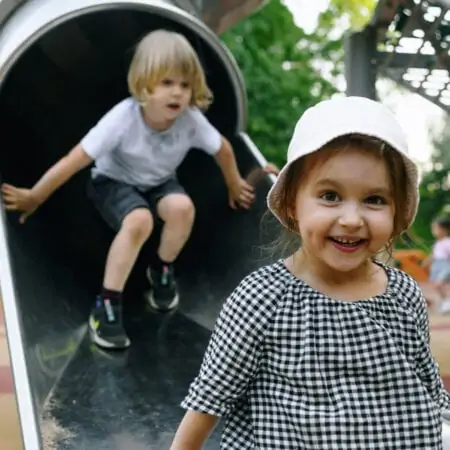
{"x":407,"y":41}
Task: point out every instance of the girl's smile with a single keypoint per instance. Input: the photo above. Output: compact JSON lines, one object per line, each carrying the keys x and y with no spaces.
{"x":348,"y":244}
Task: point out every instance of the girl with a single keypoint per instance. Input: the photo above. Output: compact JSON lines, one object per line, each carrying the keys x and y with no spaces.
{"x":439,"y":261}
{"x":137,"y":147}
{"x":329,"y":348}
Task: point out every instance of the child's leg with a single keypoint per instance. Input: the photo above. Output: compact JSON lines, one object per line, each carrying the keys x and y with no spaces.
{"x":177,"y":211}
{"x":135,"y":230}
{"x":444,"y":290}
{"x":127,"y":212}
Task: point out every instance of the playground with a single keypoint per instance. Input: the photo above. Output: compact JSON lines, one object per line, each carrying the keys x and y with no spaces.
{"x":57,"y":390}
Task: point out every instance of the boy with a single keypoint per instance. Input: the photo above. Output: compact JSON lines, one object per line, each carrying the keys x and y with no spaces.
{"x":137,"y":147}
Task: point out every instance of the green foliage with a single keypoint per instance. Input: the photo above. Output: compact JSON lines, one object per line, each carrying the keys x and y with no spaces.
{"x":277,"y":60}
{"x":286,"y":70}
{"x":435,"y":187}
{"x":357,"y":13}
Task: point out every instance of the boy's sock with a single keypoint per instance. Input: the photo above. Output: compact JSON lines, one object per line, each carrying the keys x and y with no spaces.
{"x":159,"y":264}
{"x":110,"y":300}
{"x":110,"y":294}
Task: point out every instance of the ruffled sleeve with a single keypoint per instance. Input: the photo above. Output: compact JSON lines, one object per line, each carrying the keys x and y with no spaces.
{"x":234,"y":351}
{"x":428,"y":368}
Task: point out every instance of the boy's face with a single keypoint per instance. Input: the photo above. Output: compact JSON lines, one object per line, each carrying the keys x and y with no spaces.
{"x":170,"y":98}
{"x":344,"y":209}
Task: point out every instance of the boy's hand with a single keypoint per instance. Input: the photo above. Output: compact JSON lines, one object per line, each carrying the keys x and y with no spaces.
{"x":271,"y":169}
{"x":18,"y":199}
{"x":241,"y":194}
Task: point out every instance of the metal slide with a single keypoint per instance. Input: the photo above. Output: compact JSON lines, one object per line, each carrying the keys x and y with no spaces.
{"x":62,"y":65}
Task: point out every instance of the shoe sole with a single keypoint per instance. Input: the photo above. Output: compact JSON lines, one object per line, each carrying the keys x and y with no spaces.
{"x":152,"y":302}
{"x":151,"y":299}
{"x":444,"y":307}
{"x":102,"y":342}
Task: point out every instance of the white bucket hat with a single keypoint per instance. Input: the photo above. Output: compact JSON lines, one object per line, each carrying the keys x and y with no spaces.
{"x":337,"y":117}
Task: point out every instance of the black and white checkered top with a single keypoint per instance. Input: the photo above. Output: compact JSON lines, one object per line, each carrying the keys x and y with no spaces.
{"x":291,"y":368}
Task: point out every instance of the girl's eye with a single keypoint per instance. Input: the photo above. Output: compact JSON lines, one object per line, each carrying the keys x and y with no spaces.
{"x":376,"y":200}
{"x":185,"y":85}
{"x":330,"y":197}
{"x":167,"y":82}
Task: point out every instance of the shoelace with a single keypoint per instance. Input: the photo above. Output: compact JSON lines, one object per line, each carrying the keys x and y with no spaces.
{"x":110,"y":315}
{"x":109,"y":310}
{"x":165,"y":276}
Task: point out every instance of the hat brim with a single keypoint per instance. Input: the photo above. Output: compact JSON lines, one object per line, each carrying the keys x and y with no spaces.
{"x":274,"y":195}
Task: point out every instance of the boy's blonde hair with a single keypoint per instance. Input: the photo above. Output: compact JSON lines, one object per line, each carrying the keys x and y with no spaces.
{"x":159,"y":53}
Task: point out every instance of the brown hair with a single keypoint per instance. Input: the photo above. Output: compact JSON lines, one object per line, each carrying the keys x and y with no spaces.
{"x":299,"y":170}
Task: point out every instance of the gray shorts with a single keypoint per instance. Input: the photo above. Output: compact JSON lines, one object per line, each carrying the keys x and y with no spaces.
{"x":115,"y":200}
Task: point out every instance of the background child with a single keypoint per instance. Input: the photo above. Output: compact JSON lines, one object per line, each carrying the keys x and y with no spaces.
{"x":329,"y":348}
{"x":439,"y":262}
{"x":137,"y":147}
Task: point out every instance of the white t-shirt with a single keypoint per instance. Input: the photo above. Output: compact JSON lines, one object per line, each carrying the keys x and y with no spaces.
{"x":126,"y":149}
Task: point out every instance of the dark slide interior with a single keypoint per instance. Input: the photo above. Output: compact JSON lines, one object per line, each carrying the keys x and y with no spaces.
{"x":87,"y":399}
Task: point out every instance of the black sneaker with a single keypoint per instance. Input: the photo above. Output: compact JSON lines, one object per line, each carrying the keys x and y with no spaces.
{"x":105,"y":324}
{"x":163,"y":295}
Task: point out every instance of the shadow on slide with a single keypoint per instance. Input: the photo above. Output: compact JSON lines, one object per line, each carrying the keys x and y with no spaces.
{"x":58,"y":78}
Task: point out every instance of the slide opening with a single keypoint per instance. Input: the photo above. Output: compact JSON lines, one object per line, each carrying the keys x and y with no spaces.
{"x":58,"y":87}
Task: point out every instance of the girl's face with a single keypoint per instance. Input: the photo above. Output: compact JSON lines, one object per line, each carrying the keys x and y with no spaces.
{"x":344,"y":209}
{"x":169,"y":99}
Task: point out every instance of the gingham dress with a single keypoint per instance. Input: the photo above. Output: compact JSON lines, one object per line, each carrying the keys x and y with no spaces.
{"x":290,"y":368}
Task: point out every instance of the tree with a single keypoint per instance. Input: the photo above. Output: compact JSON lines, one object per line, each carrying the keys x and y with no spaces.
{"x":435,"y":186}
{"x":440,"y":157}
{"x":356,"y":13}
{"x":286,"y":70}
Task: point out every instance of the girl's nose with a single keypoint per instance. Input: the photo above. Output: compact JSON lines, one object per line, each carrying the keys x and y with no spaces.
{"x":351,"y":217}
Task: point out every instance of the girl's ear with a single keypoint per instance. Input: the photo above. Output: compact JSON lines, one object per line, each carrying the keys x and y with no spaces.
{"x":291,"y":219}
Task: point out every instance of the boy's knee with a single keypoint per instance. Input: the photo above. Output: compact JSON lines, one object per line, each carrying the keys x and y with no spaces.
{"x":139,"y":224}
{"x":179,"y":208}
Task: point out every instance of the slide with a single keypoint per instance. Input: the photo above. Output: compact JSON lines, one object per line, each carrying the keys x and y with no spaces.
{"x":62,"y":65}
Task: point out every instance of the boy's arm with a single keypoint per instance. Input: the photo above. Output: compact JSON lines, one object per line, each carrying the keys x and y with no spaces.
{"x":28,"y":200}
{"x":100,"y":139}
{"x":76,"y":160}
{"x":240,"y":191}
{"x":194,"y":430}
